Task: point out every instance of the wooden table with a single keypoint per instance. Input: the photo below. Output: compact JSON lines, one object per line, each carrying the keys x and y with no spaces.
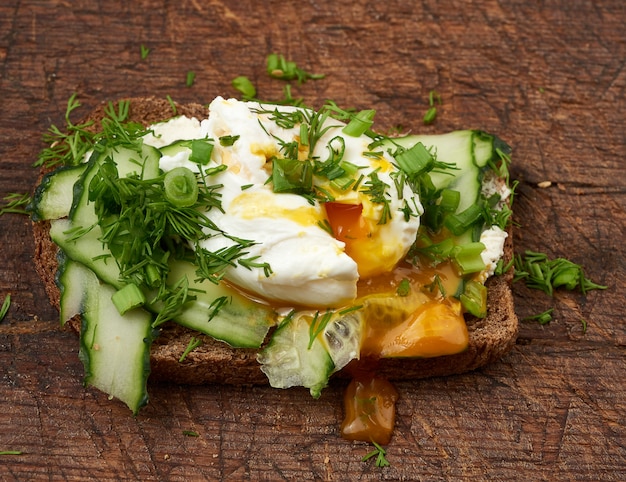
{"x":548,"y":77}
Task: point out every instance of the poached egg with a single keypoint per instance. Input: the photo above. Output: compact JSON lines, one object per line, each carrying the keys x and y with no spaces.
{"x":316,"y":251}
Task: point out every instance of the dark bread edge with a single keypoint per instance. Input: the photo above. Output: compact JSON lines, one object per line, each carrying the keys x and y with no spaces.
{"x":216,"y":362}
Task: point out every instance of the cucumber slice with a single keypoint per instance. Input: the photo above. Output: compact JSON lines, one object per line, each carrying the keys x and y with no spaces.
{"x":342,"y":338}
{"x":72,"y":277}
{"x":240,"y":322}
{"x":53,"y":197}
{"x":288,"y":361}
{"x":114,"y":349}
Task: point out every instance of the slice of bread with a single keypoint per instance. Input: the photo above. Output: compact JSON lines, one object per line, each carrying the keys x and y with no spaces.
{"x":216,"y":362}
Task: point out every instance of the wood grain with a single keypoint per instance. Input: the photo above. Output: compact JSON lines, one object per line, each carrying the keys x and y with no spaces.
{"x":548,"y":77}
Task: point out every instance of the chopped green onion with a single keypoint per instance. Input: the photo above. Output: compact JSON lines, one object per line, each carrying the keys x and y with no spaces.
{"x":461,"y":222}
{"x":11,"y":452}
{"x":190,"y":433}
{"x":280,"y":68}
{"x":191,"y":77}
{"x":291,"y":175}
{"x":201,"y":151}
{"x":430,"y":116}
{"x":468,"y":257}
{"x":245,"y":86}
{"x":415,"y":161}
{"x":431,"y":113}
{"x":144,"y":52}
{"x":304,"y":134}
{"x":227,"y":141}
{"x":450,"y":200}
{"x":128,"y":298}
{"x":360,"y":123}
{"x":474,"y":298}
{"x":181,"y":187}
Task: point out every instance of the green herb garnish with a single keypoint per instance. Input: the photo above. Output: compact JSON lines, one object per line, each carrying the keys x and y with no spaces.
{"x":539,"y":272}
{"x":190,"y":79}
{"x":542,"y":318}
{"x":5,"y":306}
{"x":280,"y":68}
{"x":227,"y":141}
{"x":245,"y":86}
{"x":431,"y":113}
{"x":379,"y":453}
{"x":318,"y":324}
{"x":404,"y":288}
{"x":192,"y":345}
{"x":16,"y":203}
{"x":144,"y":52}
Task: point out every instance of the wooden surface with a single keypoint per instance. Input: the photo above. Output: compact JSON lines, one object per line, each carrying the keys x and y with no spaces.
{"x":548,"y":77}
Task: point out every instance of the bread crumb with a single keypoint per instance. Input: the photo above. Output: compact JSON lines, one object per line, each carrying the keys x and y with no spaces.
{"x":166,"y":457}
{"x":544,"y":184}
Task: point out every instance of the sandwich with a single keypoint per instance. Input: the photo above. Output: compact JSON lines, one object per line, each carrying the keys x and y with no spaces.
{"x":252,"y":243}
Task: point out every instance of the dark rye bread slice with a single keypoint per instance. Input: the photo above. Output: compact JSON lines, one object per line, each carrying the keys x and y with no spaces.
{"x":217,"y":362}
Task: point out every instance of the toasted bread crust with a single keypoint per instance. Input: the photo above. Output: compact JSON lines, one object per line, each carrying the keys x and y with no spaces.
{"x":216,"y":362}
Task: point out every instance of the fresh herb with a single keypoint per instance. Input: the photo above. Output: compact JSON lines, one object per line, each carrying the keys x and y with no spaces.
{"x":431,"y":113}
{"x":15,"y":203}
{"x":436,"y":284}
{"x":190,"y":79}
{"x":280,"y":68}
{"x":227,"y":141}
{"x":318,"y":324}
{"x":350,"y":309}
{"x":171,"y":300}
{"x":128,"y":298}
{"x":252,"y":263}
{"x":191,"y":346}
{"x":66,"y":147}
{"x":360,"y":123}
{"x":11,"y":452}
{"x":190,"y":433}
{"x":404,"y":288}
{"x":379,"y":453}
{"x":144,"y":52}
{"x":245,"y":86}
{"x":376,"y":189}
{"x":5,"y":307}
{"x":542,"y":318}
{"x":541,"y":273}
{"x":288,"y":98}
{"x":181,"y":187}
{"x":217,"y":304}
{"x":172,"y":105}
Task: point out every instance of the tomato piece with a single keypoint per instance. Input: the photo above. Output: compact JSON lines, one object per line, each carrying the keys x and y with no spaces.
{"x":436,"y":328}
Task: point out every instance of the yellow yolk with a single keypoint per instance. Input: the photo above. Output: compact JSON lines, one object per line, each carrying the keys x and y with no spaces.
{"x":262,"y":204}
{"x":372,"y":254}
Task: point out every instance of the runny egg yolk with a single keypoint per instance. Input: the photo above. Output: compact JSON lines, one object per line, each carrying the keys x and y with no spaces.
{"x":369,"y":251}
{"x":261,"y":204}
